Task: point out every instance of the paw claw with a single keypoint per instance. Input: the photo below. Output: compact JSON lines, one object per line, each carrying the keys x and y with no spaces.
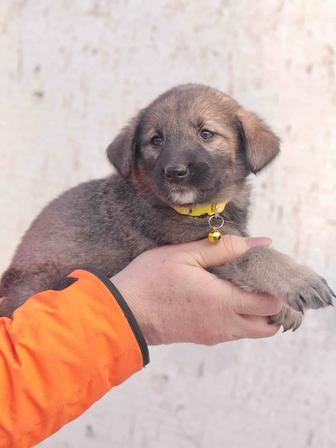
{"x":310,"y":291}
{"x":331,"y":292}
{"x":296,"y":326}
{"x":328,"y":287}
{"x":300,"y":304}
{"x":288,"y":318}
{"x":330,"y":301}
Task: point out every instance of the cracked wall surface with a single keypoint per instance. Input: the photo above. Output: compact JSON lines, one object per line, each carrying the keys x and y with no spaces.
{"x":72,"y":73}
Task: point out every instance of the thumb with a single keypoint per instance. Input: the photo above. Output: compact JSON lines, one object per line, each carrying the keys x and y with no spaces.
{"x":227,"y":249}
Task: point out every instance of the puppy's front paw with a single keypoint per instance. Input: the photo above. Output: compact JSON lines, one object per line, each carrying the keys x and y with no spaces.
{"x":267,"y":271}
{"x":308,"y":290}
{"x":288,"y":318}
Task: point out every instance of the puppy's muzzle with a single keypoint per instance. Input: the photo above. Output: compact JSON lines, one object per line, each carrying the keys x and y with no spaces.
{"x":176,"y":173}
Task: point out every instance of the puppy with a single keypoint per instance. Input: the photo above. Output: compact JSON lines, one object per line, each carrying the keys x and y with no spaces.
{"x":193,"y":145}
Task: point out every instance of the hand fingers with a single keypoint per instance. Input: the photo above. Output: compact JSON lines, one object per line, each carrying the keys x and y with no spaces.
{"x":256,"y":327}
{"x":227,"y":249}
{"x":243,"y":302}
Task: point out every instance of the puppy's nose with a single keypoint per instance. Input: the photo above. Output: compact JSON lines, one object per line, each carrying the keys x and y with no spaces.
{"x":176,"y":172}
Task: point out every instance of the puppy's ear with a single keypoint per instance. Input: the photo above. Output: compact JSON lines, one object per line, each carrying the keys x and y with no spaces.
{"x":260,"y":144}
{"x":121,"y":152}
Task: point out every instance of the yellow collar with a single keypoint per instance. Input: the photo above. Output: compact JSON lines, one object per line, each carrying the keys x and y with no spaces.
{"x":202,"y":209}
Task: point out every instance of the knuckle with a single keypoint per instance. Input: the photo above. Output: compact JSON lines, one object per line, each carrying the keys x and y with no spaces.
{"x":273,"y":329}
{"x":235,"y":293}
{"x":208,"y":340}
{"x":270,"y":329}
{"x":275,"y":305}
{"x":265,"y":329}
{"x":198,"y":256}
{"x":229,"y":243}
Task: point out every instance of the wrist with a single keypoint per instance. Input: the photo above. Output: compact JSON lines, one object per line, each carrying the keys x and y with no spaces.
{"x":133,"y":294}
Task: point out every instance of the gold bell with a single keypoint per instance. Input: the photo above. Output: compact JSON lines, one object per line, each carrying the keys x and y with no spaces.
{"x":214,"y":236}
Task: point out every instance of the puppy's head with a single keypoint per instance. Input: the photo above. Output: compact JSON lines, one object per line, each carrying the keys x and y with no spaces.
{"x":193,"y":144}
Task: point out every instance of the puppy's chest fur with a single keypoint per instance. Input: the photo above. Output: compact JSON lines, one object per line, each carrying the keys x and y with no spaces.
{"x":147,"y":218}
{"x":104,"y":224}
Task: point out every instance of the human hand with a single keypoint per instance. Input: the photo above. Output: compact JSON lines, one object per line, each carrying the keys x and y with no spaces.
{"x":175,"y":299}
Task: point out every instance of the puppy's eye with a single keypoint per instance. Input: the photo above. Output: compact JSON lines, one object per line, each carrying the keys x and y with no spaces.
{"x":156,"y":140}
{"x":206,"y":134}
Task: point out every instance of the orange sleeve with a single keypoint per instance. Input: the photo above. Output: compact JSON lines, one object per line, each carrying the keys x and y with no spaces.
{"x":61,"y":352}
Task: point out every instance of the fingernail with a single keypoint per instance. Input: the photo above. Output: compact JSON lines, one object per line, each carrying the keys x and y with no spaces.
{"x":258,"y":242}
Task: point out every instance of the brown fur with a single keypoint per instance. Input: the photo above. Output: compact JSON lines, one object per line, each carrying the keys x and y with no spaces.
{"x":106,"y":223}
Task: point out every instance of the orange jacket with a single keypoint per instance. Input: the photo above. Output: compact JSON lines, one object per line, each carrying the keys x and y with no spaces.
{"x":62,"y":351}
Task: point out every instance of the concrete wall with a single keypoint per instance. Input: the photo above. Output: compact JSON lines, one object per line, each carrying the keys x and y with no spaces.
{"x":72,"y":73}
